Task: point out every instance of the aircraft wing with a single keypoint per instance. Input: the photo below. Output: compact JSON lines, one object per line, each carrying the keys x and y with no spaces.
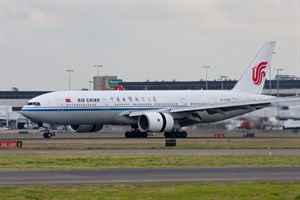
{"x":249,"y":105}
{"x":141,"y":112}
{"x":211,"y":109}
{"x":218,"y":108}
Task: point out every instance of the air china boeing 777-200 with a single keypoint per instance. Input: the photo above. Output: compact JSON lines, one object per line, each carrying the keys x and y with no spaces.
{"x":155,"y":111}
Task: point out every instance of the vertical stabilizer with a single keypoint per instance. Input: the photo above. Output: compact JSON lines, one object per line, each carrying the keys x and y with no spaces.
{"x":253,"y":79}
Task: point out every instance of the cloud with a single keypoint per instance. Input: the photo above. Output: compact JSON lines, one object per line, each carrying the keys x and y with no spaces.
{"x":139,"y":40}
{"x":21,"y":20}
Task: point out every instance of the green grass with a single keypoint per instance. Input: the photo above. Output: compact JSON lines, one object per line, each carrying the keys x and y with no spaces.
{"x":239,"y":144}
{"x":160,"y":144}
{"x":205,"y":191}
{"x":64,"y":161}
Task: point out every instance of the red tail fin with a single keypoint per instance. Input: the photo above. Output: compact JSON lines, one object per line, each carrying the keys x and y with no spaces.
{"x":119,"y":87}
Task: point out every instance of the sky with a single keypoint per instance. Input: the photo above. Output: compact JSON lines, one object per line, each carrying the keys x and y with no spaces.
{"x":140,"y":40}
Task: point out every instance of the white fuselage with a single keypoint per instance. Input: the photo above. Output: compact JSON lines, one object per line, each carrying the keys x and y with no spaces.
{"x":114,"y":107}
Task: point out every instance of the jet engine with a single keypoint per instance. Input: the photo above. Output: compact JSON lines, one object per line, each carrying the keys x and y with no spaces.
{"x":86,"y":128}
{"x":156,"y":122}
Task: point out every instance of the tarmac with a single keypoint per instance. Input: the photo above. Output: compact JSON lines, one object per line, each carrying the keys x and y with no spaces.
{"x":151,"y":176}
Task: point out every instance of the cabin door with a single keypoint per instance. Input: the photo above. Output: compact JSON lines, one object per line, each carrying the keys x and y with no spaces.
{"x":183,"y":102}
{"x":60,"y":104}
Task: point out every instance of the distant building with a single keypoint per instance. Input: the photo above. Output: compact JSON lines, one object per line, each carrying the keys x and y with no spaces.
{"x":286,"y":87}
{"x":17,"y":99}
{"x":286,"y":77}
{"x":10,"y":119}
{"x":105,"y":82}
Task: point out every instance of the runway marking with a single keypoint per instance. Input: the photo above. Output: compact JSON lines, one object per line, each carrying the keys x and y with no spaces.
{"x":151,"y":180}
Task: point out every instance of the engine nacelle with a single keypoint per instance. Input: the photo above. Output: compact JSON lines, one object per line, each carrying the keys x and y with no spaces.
{"x":156,"y":122}
{"x":86,"y":128}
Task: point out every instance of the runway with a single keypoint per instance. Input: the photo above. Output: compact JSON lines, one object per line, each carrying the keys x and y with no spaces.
{"x":150,"y":176}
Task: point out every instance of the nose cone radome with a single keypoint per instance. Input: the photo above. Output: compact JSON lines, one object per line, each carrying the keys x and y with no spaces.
{"x":24,"y":112}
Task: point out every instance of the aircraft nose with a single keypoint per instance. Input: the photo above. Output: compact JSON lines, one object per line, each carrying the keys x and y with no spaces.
{"x":24,"y":112}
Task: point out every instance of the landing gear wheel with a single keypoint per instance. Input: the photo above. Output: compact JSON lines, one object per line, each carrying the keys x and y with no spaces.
{"x":47,"y":134}
{"x":167,"y":134}
{"x":145,"y":134}
{"x":176,"y":134}
{"x":172,"y":134}
{"x":127,"y":134}
{"x":136,"y":134}
{"x":183,"y":134}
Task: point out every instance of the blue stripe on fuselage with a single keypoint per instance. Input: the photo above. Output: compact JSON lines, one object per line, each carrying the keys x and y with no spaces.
{"x":52,"y":109}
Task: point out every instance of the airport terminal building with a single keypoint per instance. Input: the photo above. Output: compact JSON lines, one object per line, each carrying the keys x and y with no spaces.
{"x":285,"y":87}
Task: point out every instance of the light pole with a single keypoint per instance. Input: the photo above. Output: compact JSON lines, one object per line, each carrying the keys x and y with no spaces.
{"x":270,"y":77}
{"x":206,"y":68}
{"x":221,"y":78}
{"x":277,"y":79}
{"x":69,"y":71}
{"x":98,"y":66}
{"x":90,"y":84}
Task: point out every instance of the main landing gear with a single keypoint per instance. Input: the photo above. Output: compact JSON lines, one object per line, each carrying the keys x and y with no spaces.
{"x":48,"y":134}
{"x":176,"y":134}
{"x":135,"y":133}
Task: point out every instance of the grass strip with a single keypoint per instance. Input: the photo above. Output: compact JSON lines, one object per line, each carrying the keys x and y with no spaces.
{"x":160,"y":144}
{"x":204,"y":191}
{"x":66,"y":161}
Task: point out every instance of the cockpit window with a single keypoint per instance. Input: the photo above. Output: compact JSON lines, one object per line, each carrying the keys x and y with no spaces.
{"x":34,"y":104}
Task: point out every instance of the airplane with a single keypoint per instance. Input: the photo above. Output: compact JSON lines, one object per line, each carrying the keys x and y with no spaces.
{"x":290,"y":118}
{"x":155,"y":111}
{"x":289,"y":112}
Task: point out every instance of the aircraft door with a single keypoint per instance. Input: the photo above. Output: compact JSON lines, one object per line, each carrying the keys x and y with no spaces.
{"x":60,"y":104}
{"x":104,"y":102}
{"x":57,"y":116}
{"x":103,"y":112}
{"x":183,"y":102}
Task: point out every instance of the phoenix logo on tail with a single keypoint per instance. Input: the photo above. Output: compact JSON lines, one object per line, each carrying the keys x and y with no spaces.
{"x":258,"y":73}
